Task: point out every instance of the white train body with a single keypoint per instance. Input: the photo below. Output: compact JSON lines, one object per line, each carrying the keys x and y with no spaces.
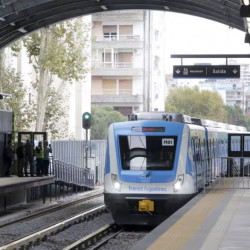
{"x":155,"y":166}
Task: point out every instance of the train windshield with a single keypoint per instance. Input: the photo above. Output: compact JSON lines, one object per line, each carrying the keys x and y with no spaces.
{"x":147,"y":152}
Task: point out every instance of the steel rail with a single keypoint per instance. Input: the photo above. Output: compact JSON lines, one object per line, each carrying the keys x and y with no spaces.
{"x":30,"y":239}
{"x":52,"y":209}
{"x":96,"y":236}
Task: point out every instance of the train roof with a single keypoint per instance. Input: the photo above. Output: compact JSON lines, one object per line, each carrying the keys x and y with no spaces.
{"x":213,"y":124}
{"x":182,"y":118}
{"x":163,"y":116}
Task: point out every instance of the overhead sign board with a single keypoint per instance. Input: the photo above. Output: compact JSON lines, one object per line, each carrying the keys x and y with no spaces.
{"x":206,"y":71}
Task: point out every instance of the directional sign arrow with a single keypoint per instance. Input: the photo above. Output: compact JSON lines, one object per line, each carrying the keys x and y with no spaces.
{"x":235,"y":71}
{"x":178,"y":71}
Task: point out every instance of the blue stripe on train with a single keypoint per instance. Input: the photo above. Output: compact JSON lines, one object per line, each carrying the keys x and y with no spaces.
{"x":107,"y":159}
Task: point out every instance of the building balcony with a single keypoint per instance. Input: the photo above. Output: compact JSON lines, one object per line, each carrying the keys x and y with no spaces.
{"x":123,"y":41}
{"x":115,"y":69}
{"x":234,"y":98}
{"x":122,"y":97}
{"x":132,"y":15}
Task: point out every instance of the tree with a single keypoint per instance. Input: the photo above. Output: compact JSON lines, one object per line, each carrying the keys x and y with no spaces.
{"x":55,"y":114}
{"x":236,"y":116}
{"x":57,"y":52}
{"x":2,"y":103}
{"x":23,"y":111}
{"x":102,"y":117}
{"x":191,"y":101}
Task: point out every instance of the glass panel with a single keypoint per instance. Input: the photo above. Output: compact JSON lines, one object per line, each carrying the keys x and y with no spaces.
{"x":235,"y":143}
{"x":147,"y":152}
{"x":247,"y":143}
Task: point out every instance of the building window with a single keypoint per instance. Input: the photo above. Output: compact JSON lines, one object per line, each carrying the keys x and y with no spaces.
{"x":109,"y":86}
{"x":125,"y":87}
{"x":110,"y":32}
{"x":126,"y":32}
{"x":124,"y":60}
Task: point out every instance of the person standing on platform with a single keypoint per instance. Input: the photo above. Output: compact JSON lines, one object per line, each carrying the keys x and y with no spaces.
{"x":39,"y":152}
{"x":47,"y":151}
{"x":29,"y":150}
{"x":21,"y":155}
{"x":8,"y":157}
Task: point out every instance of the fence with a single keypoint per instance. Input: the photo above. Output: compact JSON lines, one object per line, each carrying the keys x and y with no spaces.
{"x":70,"y":174}
{"x":226,"y":172}
{"x":72,"y":152}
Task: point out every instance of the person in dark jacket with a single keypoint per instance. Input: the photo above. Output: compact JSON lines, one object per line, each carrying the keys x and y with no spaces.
{"x":8,"y":157}
{"x":21,"y":157}
{"x":29,"y":150}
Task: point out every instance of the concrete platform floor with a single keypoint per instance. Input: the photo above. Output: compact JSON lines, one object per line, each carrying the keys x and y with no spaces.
{"x":218,"y":220}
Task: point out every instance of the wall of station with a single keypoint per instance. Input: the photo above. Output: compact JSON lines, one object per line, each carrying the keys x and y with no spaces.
{"x":6,"y":125}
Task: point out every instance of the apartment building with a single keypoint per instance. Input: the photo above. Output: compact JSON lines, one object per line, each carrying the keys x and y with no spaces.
{"x":128,"y":60}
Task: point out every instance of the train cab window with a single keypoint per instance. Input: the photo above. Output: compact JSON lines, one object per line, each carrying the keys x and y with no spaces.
{"x":147,"y":152}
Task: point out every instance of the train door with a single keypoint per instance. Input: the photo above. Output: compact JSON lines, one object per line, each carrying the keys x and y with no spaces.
{"x":196,"y":149}
{"x":239,"y":154}
{"x":235,"y":145}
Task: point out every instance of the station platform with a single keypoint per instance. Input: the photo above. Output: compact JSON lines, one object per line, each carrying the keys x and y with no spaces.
{"x":16,"y":190}
{"x":15,"y":183}
{"x":21,"y":211}
{"x":219,"y":219}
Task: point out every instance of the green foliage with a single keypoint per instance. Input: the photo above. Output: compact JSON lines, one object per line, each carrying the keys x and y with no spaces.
{"x":56,"y":52}
{"x":16,"y":47}
{"x":55,"y":113}
{"x":24,"y":113}
{"x":65,"y":43}
{"x":236,"y":116}
{"x":102,"y":117}
{"x":191,"y":101}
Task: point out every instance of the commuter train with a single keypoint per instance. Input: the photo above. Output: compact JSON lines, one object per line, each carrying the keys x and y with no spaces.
{"x":155,"y":163}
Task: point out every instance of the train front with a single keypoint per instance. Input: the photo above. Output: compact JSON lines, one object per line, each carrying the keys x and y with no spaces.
{"x":146,"y":176}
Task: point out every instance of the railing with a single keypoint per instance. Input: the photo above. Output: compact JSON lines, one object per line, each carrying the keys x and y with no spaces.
{"x":226,"y":172}
{"x":118,"y":38}
{"x":71,"y":174}
{"x":113,"y":65}
{"x":111,"y":92}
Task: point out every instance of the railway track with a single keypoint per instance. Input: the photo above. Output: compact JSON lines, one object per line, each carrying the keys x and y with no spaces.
{"x":30,"y":240}
{"x":53,"y":209}
{"x":97,"y":238}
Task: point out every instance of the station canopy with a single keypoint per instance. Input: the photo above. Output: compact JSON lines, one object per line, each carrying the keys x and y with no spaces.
{"x":20,"y":17}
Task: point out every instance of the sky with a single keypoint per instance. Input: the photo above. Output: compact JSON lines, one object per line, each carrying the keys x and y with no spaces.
{"x":186,"y":34}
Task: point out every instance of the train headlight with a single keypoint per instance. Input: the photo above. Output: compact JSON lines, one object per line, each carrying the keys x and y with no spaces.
{"x":179,"y":182}
{"x":115,"y":181}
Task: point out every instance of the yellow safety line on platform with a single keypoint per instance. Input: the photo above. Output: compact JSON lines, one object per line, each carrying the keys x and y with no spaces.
{"x":181,"y":232}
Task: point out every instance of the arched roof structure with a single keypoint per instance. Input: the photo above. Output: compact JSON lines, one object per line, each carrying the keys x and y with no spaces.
{"x":20,"y":17}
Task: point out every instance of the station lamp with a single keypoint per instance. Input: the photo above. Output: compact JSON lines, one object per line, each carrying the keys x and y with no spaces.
{"x":86,"y":120}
